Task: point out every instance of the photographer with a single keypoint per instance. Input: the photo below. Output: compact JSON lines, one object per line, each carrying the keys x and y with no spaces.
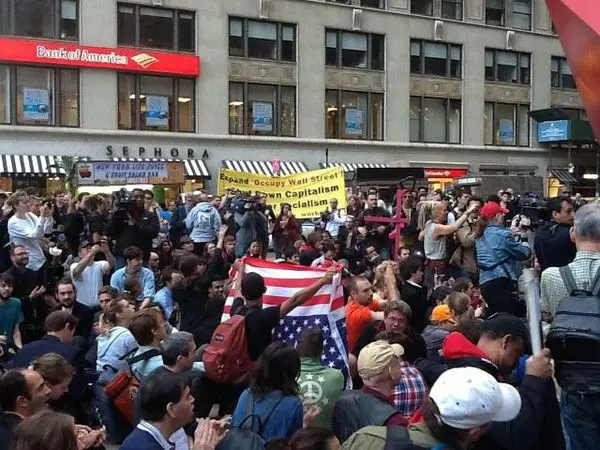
{"x":333,"y":218}
{"x":245,"y":220}
{"x":376,"y":234}
{"x":553,"y":246}
{"x":132,"y":225}
{"x":76,"y":223}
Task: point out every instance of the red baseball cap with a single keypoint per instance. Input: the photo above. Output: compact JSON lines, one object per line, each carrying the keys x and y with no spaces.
{"x":491,"y":210}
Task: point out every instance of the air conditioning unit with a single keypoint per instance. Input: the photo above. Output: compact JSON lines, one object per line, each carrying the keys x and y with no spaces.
{"x":264,"y":9}
{"x":438,"y":30}
{"x":510,"y":40}
{"x":357,"y":19}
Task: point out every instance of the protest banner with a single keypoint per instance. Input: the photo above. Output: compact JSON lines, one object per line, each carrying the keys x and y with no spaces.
{"x":106,"y":173}
{"x":308,"y":192}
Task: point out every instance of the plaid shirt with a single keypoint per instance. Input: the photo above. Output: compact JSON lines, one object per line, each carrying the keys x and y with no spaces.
{"x":410,"y":393}
{"x":552,"y":288}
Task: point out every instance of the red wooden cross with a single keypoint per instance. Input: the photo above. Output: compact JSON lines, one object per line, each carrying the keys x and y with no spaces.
{"x":397,"y":220}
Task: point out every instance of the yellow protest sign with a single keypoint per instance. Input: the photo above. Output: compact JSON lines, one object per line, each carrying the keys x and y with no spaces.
{"x":308,"y":192}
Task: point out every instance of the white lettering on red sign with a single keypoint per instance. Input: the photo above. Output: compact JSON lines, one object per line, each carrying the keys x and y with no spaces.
{"x":81,"y":55}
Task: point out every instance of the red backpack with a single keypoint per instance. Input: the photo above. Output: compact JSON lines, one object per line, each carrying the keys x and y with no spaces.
{"x":226,"y":359}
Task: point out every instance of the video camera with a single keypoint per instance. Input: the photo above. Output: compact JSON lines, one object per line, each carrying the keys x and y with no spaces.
{"x":535,"y":208}
{"x":123,"y":199}
{"x":243,"y":202}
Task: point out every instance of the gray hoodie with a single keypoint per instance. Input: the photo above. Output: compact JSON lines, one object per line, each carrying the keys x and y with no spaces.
{"x":434,"y":338}
{"x":203,"y":222}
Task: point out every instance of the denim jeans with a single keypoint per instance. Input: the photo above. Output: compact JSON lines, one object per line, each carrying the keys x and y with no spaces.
{"x":581,"y":416}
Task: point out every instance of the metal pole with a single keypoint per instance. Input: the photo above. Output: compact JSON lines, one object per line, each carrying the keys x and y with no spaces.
{"x":597,"y":171}
{"x":326,"y":157}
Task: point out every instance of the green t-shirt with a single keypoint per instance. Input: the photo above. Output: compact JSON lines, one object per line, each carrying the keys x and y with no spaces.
{"x":11,"y":315}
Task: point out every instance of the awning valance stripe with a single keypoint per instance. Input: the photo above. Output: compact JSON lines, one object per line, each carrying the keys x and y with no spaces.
{"x":194,"y":168}
{"x":30,"y":165}
{"x":563,"y":175}
{"x":265,"y":168}
{"x":351,"y":167}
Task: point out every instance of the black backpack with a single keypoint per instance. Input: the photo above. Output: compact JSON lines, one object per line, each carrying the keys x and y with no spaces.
{"x":247,"y":435}
{"x":574,"y":337}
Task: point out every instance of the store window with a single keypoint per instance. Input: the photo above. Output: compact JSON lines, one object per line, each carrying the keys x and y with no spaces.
{"x":494,"y":12}
{"x":169,"y":29}
{"x":156,"y":103}
{"x":435,"y":58}
{"x":423,"y":7}
{"x":380,"y":4}
{"x":263,"y":40}
{"x":262,"y":109}
{"x":354,"y":50}
{"x":452,"y":9}
{"x":506,"y":124}
{"x":507,"y":67}
{"x":353,"y":115}
{"x":561,"y":76}
{"x":4,"y":94}
{"x":521,"y":18}
{"x":435,"y":120}
{"x":50,"y":19}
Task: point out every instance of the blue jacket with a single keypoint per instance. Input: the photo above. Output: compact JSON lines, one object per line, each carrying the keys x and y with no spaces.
{"x":203,"y":222}
{"x":507,"y":251}
{"x":177,"y":224}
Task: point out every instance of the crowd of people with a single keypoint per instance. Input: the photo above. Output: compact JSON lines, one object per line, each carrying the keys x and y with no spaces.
{"x":110,"y":306}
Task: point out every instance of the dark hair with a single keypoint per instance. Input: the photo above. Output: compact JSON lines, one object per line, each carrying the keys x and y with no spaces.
{"x":130,"y":285}
{"x":157,"y":391}
{"x":462,"y":284}
{"x":439,"y":294}
{"x":310,"y":343}
{"x":480,"y":226}
{"x":7,"y":278}
{"x":58,"y":320}
{"x":46,"y":430}
{"x":410,"y":266}
{"x":188,"y":265}
{"x":253,"y":286}
{"x":228,"y":239}
{"x":328,"y":247}
{"x":493,"y":198}
{"x":555,"y":204}
{"x":64,"y":282}
{"x":143,"y":324}
{"x":174,"y":346}
{"x":13,"y":384}
{"x":312,"y":438}
{"x":471,"y":329}
{"x":278,"y":369}
{"x":501,"y":324}
{"x":53,"y":368}
{"x":158,"y":307}
{"x":133,"y":252}
{"x":439,"y":430}
{"x":167,"y":274}
{"x":12,"y":248}
{"x":475,"y":199}
{"x":94,"y":202}
{"x":149,"y":192}
{"x":314,"y":237}
{"x":110,"y":291}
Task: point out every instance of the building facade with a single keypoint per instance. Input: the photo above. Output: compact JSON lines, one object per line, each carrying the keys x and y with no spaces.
{"x":440,"y":84}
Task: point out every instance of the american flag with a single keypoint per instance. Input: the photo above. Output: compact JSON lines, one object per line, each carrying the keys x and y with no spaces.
{"x":325,"y":310}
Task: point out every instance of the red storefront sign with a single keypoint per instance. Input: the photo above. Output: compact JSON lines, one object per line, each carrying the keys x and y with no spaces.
{"x":445,"y":173}
{"x":53,"y":53}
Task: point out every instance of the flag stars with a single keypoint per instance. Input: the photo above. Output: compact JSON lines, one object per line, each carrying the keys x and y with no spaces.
{"x":291,"y":337}
{"x":294,"y":322}
{"x":286,"y":329}
{"x":298,"y":330}
{"x":325,"y":329}
{"x":331,"y":364}
{"x":317,"y":321}
{"x":320,"y":379}
{"x":305,"y":322}
{"x":332,"y":350}
{"x":309,"y":376}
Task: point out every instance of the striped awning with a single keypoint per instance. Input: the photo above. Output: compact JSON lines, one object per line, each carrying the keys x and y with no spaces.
{"x":194,"y":168}
{"x":563,"y":175}
{"x":351,"y":167}
{"x":265,"y":167}
{"x":36,"y":165}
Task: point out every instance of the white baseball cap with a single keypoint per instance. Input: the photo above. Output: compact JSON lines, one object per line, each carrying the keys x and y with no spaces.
{"x":469,"y":398}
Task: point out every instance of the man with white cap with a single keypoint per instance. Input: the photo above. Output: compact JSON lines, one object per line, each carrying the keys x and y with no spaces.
{"x":461,"y":405}
{"x":379,"y":367}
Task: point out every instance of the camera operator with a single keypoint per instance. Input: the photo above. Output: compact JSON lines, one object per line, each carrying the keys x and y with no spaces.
{"x":553,"y":246}
{"x":131,"y":225}
{"x":376,"y":234}
{"x":245,"y":220}
{"x":332,"y":219}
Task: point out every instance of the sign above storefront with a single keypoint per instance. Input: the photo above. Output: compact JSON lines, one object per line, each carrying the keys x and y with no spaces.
{"x":138,"y":151}
{"x":445,"y":173}
{"x":553,"y":131}
{"x":53,"y":53}
{"x":108,"y":173}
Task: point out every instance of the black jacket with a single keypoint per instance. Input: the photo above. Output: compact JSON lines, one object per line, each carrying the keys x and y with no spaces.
{"x":140,"y":234}
{"x":85,"y":316}
{"x":75,"y":226}
{"x":48,"y":344}
{"x":34,"y":311}
{"x":373,"y":237}
{"x":8,"y":423}
{"x":553,"y":246}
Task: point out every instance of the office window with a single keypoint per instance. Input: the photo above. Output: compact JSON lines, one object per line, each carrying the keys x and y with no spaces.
{"x":380,"y":4}
{"x":156,"y":103}
{"x":44,"y":97}
{"x":507,"y":67}
{"x":260,"y":39}
{"x":452,"y":9}
{"x":423,"y":7}
{"x":506,"y":124}
{"x":353,"y":115}
{"x":494,"y":12}
{"x":521,"y":18}
{"x":561,"y":76}
{"x":435,"y":120}
{"x":355,"y":50}
{"x":435,"y":58}
{"x":142,"y":26}
{"x":49,"y":19}
{"x":4,"y":94}
{"x":262,"y":109}
{"x":575,"y":113}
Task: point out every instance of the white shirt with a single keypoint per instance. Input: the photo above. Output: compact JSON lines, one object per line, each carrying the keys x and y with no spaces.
{"x":337,"y":220}
{"x":28,"y":232}
{"x":89,"y":282}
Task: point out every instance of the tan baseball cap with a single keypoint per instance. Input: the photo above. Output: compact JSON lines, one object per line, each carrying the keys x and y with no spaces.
{"x":376,"y":357}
